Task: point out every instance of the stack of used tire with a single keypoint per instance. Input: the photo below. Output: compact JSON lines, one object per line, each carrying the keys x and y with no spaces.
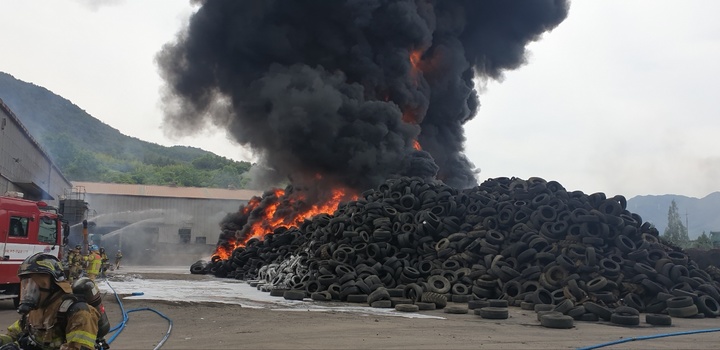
{"x":529,"y":242}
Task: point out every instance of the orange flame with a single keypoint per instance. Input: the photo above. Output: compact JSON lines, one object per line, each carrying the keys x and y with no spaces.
{"x":416,"y":145}
{"x":408,"y":117}
{"x":415,"y":57}
{"x":266,"y":221}
{"x":415,"y":63}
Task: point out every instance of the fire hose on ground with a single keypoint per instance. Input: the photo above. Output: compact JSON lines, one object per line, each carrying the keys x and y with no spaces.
{"x":119,"y":327}
{"x":648,"y":337}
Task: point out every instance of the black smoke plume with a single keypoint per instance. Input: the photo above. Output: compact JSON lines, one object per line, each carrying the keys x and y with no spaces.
{"x":343,"y":88}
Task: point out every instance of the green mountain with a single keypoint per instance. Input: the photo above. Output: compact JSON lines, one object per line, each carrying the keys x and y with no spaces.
{"x":703,"y":214}
{"x":86,"y":149}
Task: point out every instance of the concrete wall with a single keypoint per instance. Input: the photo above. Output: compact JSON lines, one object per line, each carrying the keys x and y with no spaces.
{"x":23,"y":161}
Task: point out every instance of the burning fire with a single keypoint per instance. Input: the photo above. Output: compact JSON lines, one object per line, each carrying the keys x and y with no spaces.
{"x":416,"y":145}
{"x":415,"y":57}
{"x":416,"y":62}
{"x":277,"y":209}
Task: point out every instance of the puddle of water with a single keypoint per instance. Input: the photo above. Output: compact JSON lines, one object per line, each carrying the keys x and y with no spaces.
{"x":228,"y":291}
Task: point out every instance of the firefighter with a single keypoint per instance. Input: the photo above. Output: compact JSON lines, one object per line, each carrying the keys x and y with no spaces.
{"x":94,"y":260}
{"x":105,"y":262}
{"x":48,"y":320}
{"x":118,"y":257}
{"x":75,"y":263}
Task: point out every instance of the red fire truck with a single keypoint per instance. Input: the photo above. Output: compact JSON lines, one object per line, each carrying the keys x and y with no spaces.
{"x":26,"y":227}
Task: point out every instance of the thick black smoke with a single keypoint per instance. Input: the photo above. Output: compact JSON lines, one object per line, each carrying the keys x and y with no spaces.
{"x":329,"y":86}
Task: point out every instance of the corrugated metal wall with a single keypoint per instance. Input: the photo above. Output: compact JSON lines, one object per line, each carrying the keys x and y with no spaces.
{"x":21,"y":160}
{"x":201,"y":216}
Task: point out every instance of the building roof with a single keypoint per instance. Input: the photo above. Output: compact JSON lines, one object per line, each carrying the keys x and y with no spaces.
{"x":165,"y":191}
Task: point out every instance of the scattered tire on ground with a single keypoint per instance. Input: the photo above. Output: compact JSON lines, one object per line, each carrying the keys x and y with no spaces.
{"x":294,"y":295}
{"x":494,"y":313}
{"x":407,"y":308}
{"x":456,"y":310}
{"x":555,"y":320}
{"x":658,"y":320}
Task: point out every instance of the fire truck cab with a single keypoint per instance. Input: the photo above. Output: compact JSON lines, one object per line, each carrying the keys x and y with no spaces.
{"x":26,"y":227}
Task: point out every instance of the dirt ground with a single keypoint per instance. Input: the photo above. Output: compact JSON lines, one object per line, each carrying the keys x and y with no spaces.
{"x":222,"y":326}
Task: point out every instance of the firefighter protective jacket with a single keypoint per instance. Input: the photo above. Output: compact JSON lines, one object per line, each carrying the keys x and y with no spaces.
{"x":95,"y":260}
{"x":44,"y":329}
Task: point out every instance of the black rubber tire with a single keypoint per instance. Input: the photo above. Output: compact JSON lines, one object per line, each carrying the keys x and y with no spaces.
{"x":576,"y":312}
{"x":625,"y":320}
{"x":542,"y":296}
{"x":493,"y":313}
{"x":456,"y":310}
{"x":543,"y":307}
{"x":626,"y":311}
{"x":526,"y":305}
{"x":708,"y":306}
{"x":425,"y":306}
{"x":634,"y":301}
{"x":658,"y":320}
{"x":462,"y":299}
{"x":294,"y":295}
{"x":197,"y":269}
{"x":679,"y":302}
{"x":398,"y":301}
{"x":564,"y":306}
{"x":439,"y":284}
{"x":476,"y":304}
{"x":395,"y":292}
{"x":321,"y":296}
{"x":357,"y":298}
{"x":407,"y":308}
{"x":557,"y":321}
{"x":439,"y":300}
{"x":277,"y":292}
{"x":385,"y":304}
{"x":413,"y":291}
{"x":596,"y":284}
{"x":601,"y":311}
{"x":683,"y":312}
{"x":656,"y":307}
{"x":379,"y":294}
{"x":543,"y":313}
{"x":589,"y":317}
{"x":497,"y":303}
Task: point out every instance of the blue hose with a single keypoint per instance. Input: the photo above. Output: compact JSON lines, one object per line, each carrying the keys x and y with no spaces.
{"x":119,"y":327}
{"x":647,"y":337}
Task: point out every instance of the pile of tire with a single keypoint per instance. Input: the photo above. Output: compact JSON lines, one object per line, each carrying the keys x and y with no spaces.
{"x":525,"y":241}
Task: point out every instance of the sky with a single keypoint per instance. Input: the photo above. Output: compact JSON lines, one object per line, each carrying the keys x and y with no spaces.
{"x":620,"y":98}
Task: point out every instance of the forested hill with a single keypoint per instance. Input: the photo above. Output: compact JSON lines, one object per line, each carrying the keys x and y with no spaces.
{"x":703,"y":214}
{"x":86,"y":149}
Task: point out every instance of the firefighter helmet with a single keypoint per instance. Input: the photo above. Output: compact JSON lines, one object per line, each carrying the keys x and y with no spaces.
{"x":45,"y":264}
{"x":42,"y":263}
{"x":93,"y":248}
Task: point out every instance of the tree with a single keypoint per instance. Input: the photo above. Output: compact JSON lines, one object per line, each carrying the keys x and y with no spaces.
{"x":704,"y":242}
{"x":675,"y":232}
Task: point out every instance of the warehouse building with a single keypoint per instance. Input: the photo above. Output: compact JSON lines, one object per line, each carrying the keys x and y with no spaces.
{"x":24,"y":165}
{"x":158,"y":224}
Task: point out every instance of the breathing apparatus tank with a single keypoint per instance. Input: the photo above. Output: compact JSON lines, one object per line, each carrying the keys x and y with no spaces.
{"x":86,"y":289}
